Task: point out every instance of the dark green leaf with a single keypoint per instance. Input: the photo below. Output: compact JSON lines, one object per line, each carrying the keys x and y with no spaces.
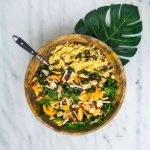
{"x":91,"y":89}
{"x":124,"y":61}
{"x":69,"y":91}
{"x":53,"y":94}
{"x":122,"y":32}
{"x":111,"y":89}
{"x":107,"y":108}
{"x":85,"y":80}
{"x":84,"y":124}
{"x":75,"y":99}
{"x":44,"y":116}
{"x":44,"y":101}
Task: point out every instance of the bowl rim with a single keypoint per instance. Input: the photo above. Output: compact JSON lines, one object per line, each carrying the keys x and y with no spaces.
{"x":116,"y":110}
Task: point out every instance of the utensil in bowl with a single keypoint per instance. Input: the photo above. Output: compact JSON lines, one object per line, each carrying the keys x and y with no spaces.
{"x":25,"y":46}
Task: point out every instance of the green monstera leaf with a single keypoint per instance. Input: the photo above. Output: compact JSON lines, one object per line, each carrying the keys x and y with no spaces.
{"x":121,"y":31}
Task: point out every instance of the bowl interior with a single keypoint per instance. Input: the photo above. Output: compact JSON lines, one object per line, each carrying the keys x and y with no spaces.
{"x":45,"y":52}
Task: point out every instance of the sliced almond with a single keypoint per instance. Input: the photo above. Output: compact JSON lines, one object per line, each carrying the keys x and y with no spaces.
{"x":65,"y":121}
{"x":86,"y":107}
{"x":51,"y":118}
{"x":59,"y":89}
{"x":99,"y":103}
{"x":103,"y":80}
{"x":92,"y":110}
{"x":104,"y":98}
{"x":53,"y":85}
{"x":94,"y":82}
{"x":60,"y":113}
{"x":106,"y":102}
{"x":113,"y":76}
{"x":86,"y":86}
{"x":46,"y":72}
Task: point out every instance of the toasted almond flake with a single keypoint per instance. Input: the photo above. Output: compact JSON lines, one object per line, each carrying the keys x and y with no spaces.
{"x":106,"y":102}
{"x":86,"y":107}
{"x":51,"y":118}
{"x":75,"y":86}
{"x":59,"y":89}
{"x":92,"y":110}
{"x":103,"y":80}
{"x":86,"y":86}
{"x":94,"y":82}
{"x":60,"y":113}
{"x":65,"y":121}
{"x":104,"y":98}
{"x":53,"y":85}
{"x":99,"y":103}
{"x":49,"y":87}
{"x":46,"y":72}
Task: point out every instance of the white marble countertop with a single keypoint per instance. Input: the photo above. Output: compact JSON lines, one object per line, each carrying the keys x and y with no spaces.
{"x":37,"y":21}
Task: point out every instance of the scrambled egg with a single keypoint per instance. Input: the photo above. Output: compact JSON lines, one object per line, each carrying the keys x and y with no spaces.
{"x":77,"y":56}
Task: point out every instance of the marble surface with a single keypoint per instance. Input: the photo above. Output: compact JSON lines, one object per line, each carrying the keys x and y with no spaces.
{"x":37,"y":21}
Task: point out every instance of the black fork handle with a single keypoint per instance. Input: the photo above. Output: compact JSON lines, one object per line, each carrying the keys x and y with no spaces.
{"x":24,"y":45}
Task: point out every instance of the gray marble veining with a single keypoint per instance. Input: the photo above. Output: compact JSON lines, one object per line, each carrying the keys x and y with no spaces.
{"x":37,"y":22}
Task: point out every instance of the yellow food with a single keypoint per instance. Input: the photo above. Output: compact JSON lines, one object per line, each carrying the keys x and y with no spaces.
{"x":84,"y":97}
{"x":37,"y":87}
{"x":98,"y":94}
{"x":65,"y":107}
{"x":67,"y":52}
{"x":49,"y":110}
{"x":80,"y":114}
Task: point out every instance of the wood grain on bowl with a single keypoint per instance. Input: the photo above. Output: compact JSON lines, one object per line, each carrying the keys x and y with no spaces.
{"x":46,"y":51}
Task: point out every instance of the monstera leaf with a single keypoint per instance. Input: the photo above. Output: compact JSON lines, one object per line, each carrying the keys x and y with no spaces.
{"x":120,"y":32}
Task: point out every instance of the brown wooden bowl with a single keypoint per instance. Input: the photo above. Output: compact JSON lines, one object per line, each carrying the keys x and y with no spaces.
{"x":45,"y":52}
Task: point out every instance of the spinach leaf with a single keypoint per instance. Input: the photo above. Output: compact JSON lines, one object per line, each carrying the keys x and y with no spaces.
{"x":40,"y":81}
{"x":76,"y":125}
{"x":91,"y":89}
{"x":84,"y":124}
{"x":107,"y":108}
{"x":75,"y":99}
{"x":53,"y":94}
{"x":44,"y":101}
{"x":44,"y":116}
{"x":71,"y":91}
{"x":85,"y":80}
{"x":111,"y":89}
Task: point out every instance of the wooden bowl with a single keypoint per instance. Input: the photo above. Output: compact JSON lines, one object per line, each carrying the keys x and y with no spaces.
{"x":45,"y":52}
